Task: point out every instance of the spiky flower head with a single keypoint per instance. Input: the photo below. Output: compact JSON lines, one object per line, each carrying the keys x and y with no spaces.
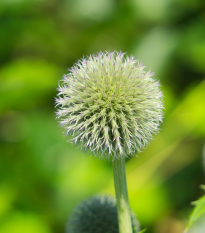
{"x":110,"y":105}
{"x":97,"y":215}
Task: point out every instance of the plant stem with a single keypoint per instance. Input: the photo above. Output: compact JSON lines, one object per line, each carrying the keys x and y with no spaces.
{"x":123,"y":209}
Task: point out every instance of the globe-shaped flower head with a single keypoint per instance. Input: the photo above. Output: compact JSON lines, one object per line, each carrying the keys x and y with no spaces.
{"x":110,"y":105}
{"x":97,"y":214}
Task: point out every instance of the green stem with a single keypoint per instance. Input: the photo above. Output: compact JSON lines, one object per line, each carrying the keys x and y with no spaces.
{"x":123,"y":209}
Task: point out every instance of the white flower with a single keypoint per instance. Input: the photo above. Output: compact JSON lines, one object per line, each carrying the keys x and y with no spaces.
{"x":110,"y":105}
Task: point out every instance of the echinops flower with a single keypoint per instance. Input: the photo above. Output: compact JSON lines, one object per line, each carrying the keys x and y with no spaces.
{"x":98,"y":214}
{"x":110,"y":105}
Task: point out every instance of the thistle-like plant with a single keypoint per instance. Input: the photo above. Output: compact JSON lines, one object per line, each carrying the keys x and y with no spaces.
{"x":111,"y":107}
{"x":98,"y":214}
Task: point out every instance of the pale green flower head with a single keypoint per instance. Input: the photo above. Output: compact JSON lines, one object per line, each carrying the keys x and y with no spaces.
{"x":110,"y":105}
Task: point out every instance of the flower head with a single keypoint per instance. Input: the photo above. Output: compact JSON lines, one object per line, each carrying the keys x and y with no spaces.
{"x":98,"y":214}
{"x":110,"y":105}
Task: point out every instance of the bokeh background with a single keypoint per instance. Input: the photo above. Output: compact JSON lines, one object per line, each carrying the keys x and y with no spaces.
{"x":43,"y":177}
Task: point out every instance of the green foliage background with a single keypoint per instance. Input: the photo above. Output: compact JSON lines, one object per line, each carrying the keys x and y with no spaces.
{"x":42,"y":177}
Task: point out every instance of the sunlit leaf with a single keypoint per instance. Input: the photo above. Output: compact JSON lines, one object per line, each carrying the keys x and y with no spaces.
{"x":26,"y":83}
{"x":198,"y":210}
{"x":19,"y":222}
{"x":142,"y":231}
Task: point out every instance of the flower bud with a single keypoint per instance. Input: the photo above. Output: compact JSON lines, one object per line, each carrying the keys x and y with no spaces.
{"x":97,"y":215}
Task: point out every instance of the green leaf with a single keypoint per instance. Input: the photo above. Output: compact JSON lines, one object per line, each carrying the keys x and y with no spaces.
{"x":142,"y":231}
{"x":198,"y":210}
{"x":27,"y":83}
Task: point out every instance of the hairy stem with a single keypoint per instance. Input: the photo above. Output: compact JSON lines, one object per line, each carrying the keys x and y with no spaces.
{"x":123,"y":209}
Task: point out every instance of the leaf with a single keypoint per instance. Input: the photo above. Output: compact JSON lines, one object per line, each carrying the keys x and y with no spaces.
{"x":198,"y":210}
{"x":27,"y":83}
{"x":142,"y":231}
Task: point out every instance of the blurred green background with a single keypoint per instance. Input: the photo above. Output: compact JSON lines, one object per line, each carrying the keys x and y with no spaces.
{"x":42,"y":177}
